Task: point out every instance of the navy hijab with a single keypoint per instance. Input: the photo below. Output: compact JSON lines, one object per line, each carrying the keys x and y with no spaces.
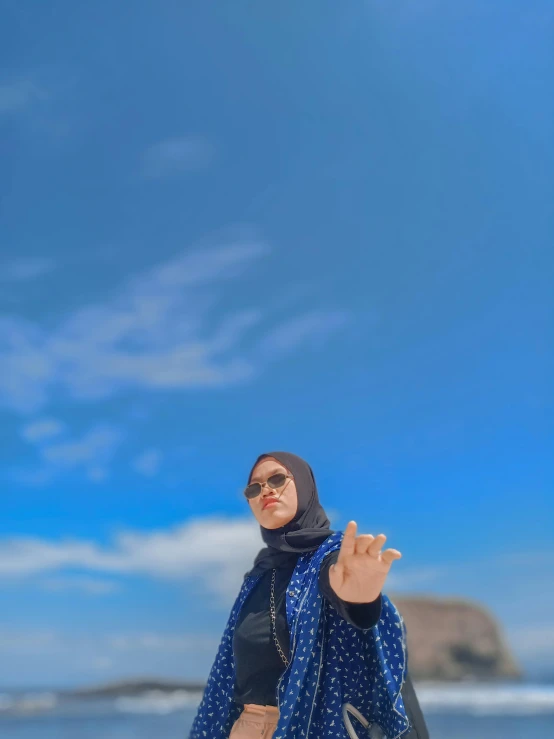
{"x":305,"y":532}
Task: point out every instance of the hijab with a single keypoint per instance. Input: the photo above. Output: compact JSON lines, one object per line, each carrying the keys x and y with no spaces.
{"x":306,"y":531}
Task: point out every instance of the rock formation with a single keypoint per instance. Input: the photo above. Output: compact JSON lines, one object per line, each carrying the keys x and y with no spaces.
{"x":454,"y":639}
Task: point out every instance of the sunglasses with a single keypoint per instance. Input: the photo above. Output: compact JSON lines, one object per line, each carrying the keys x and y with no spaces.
{"x":273,"y":482}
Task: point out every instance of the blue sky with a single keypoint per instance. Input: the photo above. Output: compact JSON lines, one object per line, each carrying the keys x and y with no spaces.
{"x":228,"y":228}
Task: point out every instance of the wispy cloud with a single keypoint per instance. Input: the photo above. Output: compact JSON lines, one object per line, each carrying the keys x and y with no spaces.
{"x":35,"y":100}
{"x":164,"y":642}
{"x":60,"y":657}
{"x":88,"y":585}
{"x":533,"y":642}
{"x":92,"y":452}
{"x":41,"y":430}
{"x":148,"y":463}
{"x":215,"y":552}
{"x":21,"y":270}
{"x":13,"y":641}
{"x":314,"y":327}
{"x":148,"y":335}
{"x":95,"y":447}
{"x":175,"y":155}
{"x":158,"y":331}
{"x":19,"y":94}
{"x":106,"y":647}
{"x":497,"y":569}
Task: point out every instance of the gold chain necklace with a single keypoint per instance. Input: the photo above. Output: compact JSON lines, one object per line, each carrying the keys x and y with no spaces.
{"x":272,"y":612}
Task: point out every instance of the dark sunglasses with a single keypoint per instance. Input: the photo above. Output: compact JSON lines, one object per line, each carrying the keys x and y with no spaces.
{"x":273,"y":482}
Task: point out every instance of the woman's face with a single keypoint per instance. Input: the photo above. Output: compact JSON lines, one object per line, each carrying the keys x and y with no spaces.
{"x":276,"y":514}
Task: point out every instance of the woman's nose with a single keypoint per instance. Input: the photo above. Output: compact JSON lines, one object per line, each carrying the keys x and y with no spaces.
{"x":270,"y":490}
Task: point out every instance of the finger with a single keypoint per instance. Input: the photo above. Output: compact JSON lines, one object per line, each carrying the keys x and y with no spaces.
{"x":375,"y":546}
{"x":362,"y":543}
{"x":390,"y":555}
{"x":338,"y":570}
{"x":348,"y":541}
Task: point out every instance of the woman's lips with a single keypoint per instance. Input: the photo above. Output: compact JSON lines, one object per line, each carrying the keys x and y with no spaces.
{"x":271,"y":501}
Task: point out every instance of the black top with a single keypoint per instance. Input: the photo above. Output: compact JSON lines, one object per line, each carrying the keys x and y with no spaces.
{"x":258,"y":663}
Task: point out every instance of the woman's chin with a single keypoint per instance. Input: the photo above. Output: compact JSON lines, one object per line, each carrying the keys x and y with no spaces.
{"x":272,"y":520}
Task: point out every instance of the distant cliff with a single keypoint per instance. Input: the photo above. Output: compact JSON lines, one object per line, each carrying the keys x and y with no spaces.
{"x":454,"y":639}
{"x":135,"y":687}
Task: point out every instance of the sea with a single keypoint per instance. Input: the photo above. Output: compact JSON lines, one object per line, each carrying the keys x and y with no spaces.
{"x":461,"y":711}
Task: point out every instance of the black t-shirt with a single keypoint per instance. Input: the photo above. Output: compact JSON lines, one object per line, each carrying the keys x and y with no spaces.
{"x":258,"y":663}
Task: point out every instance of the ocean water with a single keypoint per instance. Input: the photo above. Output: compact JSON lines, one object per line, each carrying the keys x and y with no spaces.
{"x":500,"y":711}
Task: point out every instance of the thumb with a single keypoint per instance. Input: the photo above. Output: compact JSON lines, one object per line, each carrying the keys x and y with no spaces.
{"x":348,"y":544}
{"x":337,"y":571}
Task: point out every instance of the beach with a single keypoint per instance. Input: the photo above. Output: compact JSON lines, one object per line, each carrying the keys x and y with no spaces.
{"x":459,"y":711}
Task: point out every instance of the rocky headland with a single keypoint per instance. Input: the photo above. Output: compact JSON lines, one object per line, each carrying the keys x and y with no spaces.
{"x":454,"y":639}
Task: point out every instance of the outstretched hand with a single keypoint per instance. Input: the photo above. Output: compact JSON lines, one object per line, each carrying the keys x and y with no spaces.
{"x":361,"y":569}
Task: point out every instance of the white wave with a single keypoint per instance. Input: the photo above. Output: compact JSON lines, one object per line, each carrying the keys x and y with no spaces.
{"x":6,"y":702}
{"x":28,"y":702}
{"x":158,"y":701}
{"x":486,"y":699}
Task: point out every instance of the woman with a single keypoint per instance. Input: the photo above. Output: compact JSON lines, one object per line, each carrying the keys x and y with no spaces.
{"x":310,"y":629}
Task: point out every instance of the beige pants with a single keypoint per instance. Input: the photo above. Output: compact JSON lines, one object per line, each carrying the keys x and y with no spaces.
{"x":255,"y":722}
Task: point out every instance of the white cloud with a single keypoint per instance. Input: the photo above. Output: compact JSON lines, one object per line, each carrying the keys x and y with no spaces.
{"x":148,"y":463}
{"x":36,"y":477}
{"x":21,"y":270}
{"x":96,"y":445}
{"x":496,"y":575}
{"x":31,"y":101}
{"x":32,"y":642}
{"x":41,"y":429}
{"x":103,"y":650}
{"x":101,"y":663}
{"x":164,"y":642}
{"x":411,"y":578}
{"x":215,"y":552}
{"x":19,"y":94}
{"x":312,"y":327}
{"x":88,"y":585}
{"x":535,"y":640}
{"x":97,"y":474}
{"x":175,"y":155}
{"x":93,"y":452}
{"x":158,"y":331}
{"x":149,"y":335}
